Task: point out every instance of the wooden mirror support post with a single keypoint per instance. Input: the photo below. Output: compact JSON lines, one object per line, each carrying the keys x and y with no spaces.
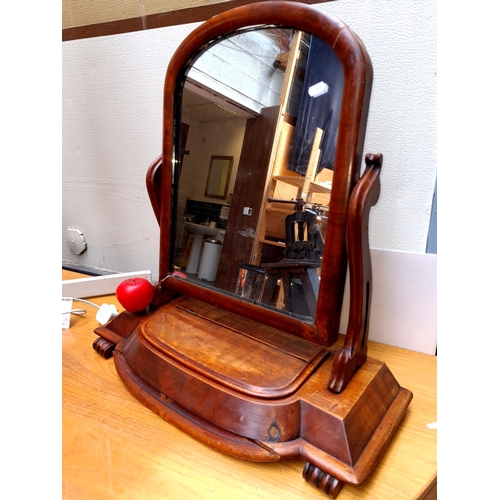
{"x":251,"y":382}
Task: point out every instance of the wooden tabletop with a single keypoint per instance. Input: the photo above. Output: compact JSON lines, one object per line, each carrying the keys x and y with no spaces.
{"x":114,"y":447}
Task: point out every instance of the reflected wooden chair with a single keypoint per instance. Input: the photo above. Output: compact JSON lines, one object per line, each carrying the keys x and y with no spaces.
{"x":298,"y":270}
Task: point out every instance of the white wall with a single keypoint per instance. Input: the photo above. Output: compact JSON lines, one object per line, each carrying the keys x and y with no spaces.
{"x":112,"y":126}
{"x":112,"y":106}
{"x":401,"y":38}
{"x":204,"y":141}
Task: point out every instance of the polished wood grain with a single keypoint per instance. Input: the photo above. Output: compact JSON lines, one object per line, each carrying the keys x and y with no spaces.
{"x":254,"y":162}
{"x":114,"y":447}
{"x":354,"y":352}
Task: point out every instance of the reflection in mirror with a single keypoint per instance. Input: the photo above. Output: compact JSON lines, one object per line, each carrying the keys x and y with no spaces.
{"x":270,"y":100}
{"x":219,"y":174}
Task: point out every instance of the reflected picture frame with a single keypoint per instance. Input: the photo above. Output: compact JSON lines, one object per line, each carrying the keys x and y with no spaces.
{"x":219,"y":175}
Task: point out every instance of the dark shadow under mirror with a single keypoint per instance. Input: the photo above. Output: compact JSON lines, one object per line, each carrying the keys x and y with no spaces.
{"x":270,"y":98}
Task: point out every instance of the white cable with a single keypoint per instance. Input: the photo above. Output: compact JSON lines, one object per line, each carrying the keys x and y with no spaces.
{"x":86,"y":302}
{"x":76,"y":311}
{"x":105,"y":313}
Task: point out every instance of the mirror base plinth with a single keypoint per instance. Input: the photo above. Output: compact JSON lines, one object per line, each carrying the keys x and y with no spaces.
{"x":237,"y":404}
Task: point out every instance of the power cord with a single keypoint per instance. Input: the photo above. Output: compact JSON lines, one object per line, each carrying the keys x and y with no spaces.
{"x":105,"y":313}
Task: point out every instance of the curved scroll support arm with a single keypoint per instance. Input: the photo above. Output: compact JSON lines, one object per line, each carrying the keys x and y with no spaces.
{"x":353,"y":354}
{"x":153,"y":185}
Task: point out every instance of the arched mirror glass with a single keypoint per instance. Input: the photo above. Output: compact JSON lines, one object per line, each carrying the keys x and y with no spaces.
{"x":266,"y":102}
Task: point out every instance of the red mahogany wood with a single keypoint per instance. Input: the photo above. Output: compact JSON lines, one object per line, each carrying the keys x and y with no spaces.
{"x":262,"y":398}
{"x":353,"y":354}
{"x":153,"y":185}
{"x":249,"y":381}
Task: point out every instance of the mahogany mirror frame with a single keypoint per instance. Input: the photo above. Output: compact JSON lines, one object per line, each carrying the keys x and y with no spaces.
{"x":358,"y":76}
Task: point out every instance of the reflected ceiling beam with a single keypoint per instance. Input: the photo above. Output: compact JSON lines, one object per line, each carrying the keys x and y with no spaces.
{"x":207,"y":105}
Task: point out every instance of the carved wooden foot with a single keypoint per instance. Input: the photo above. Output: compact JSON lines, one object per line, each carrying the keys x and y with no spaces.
{"x":323,"y":481}
{"x":103,"y":347}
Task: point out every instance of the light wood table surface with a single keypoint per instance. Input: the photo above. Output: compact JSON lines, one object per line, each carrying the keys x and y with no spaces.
{"x":115,"y":448}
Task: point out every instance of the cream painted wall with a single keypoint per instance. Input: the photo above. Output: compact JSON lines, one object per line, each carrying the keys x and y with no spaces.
{"x":204,"y":141}
{"x":112,"y":100}
{"x":82,"y":12}
{"x":401,"y":38}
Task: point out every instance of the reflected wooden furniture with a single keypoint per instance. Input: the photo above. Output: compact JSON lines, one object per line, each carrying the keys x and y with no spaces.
{"x":114,"y":447}
{"x":298,"y":270}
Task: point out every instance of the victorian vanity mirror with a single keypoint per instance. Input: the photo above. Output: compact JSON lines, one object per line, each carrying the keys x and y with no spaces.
{"x":239,"y":347}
